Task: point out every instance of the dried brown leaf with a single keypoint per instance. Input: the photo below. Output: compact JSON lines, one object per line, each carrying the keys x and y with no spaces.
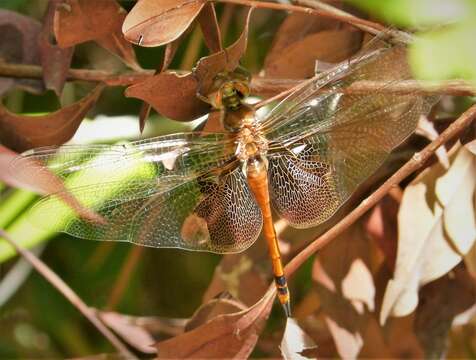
{"x":358,"y":286}
{"x":226,"y":60}
{"x":295,"y":341}
{"x":6,"y":175}
{"x":346,"y":288}
{"x":155,"y":23}
{"x":470,"y":259}
{"x":18,"y":45}
{"x":170,"y":50}
{"x":55,"y":60}
{"x":382,"y":227}
{"x":210,"y":29}
{"x":397,"y":340}
{"x":348,"y":344}
{"x":296,"y":27}
{"x":22,"y":132}
{"x":441,"y":301}
{"x":134,"y":335}
{"x":214,"y":122}
{"x":239,"y":275}
{"x":171,"y":95}
{"x":225,"y":336}
{"x":215,"y":307}
{"x":32,"y":175}
{"x":298,"y":60}
{"x":433,"y":233}
{"x":471,"y":146}
{"x":78,"y":21}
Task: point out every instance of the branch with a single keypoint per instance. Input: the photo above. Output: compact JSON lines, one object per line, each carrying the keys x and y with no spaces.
{"x":270,"y":86}
{"x":329,"y":12}
{"x":69,"y":294}
{"x":417,"y":161}
{"x":23,"y":71}
{"x":259,"y":85}
{"x":365,"y":25}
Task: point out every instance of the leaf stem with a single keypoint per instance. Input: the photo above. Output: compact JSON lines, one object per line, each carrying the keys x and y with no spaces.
{"x":416,"y":162}
{"x":69,"y":294}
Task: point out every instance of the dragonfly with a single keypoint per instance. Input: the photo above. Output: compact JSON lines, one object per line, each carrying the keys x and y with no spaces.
{"x":215,"y":192}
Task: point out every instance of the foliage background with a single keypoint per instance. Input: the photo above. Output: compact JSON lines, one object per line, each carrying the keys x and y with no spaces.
{"x":37,"y":321}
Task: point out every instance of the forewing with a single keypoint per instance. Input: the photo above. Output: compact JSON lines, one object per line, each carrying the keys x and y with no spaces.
{"x":328,"y":144}
{"x":215,"y":214}
{"x":181,"y":154}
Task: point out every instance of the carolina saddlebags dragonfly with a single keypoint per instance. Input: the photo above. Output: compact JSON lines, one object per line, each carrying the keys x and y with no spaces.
{"x":214,"y":191}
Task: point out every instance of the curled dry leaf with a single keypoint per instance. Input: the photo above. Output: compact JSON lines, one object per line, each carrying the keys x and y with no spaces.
{"x":442,"y":301}
{"x":298,"y":60}
{"x":78,"y":21}
{"x":171,"y":94}
{"x":225,"y":60}
{"x":155,"y":23}
{"x":154,"y":326}
{"x":170,"y":50}
{"x":41,"y":183}
{"x":210,"y":29}
{"x":295,"y":341}
{"x":134,"y":335}
{"x":21,"y":132}
{"x":6,"y":176}
{"x":18,"y":44}
{"x":225,"y":336}
{"x":55,"y":60}
{"x":175,"y":96}
{"x":28,"y":174}
{"x":218,"y":306}
{"x":436,"y":224}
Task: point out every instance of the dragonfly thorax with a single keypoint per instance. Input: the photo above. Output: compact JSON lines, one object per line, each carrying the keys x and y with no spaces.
{"x":251,"y":143}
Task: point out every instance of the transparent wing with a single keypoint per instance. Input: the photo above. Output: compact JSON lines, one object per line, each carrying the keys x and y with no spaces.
{"x":216,"y":214}
{"x":325,"y":145}
{"x":181,"y":154}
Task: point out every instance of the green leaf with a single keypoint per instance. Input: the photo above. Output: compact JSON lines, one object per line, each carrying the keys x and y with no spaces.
{"x":445,"y":54}
{"x":418,"y":13}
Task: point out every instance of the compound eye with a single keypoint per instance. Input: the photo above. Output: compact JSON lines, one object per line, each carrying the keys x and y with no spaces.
{"x":242,"y":88}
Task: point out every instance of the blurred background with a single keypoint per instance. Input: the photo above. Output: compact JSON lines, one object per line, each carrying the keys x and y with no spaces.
{"x":37,"y":322}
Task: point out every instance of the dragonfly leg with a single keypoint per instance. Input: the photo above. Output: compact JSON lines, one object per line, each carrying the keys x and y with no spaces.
{"x":258,"y":182}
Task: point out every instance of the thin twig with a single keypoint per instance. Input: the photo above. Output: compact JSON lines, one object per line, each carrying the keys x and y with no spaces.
{"x":417,"y":161}
{"x":259,"y":85}
{"x":354,"y":20}
{"x":280,"y":88}
{"x":124,"y":277}
{"x":24,"y":71}
{"x":362,"y":24}
{"x":69,"y":294}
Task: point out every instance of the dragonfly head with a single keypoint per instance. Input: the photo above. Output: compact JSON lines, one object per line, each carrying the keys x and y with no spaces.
{"x":229,"y":88}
